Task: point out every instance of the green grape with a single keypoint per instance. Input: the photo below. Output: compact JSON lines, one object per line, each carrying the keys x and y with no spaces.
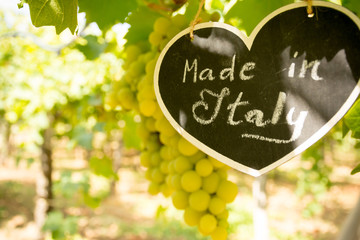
{"x":172,"y":167}
{"x":191,"y":181}
{"x":145,"y":80}
{"x":164,"y":167}
{"x":165,"y":190}
{"x":223,"y":223}
{"x":165,"y":152}
{"x":196,"y":157}
{"x":207,"y":224}
{"x":192,"y":217}
{"x":176,"y":181}
{"x":145,"y":159}
{"x":174,"y":140}
{"x":147,"y":107}
{"x":174,"y":152}
{"x":155,"y":159}
{"x":164,"y":139}
{"x":136,"y":69}
{"x":199,"y":200}
{"x":216,"y":163}
{"x":219,"y":233}
{"x":154,"y":188}
{"x":126,"y":98}
{"x":162,"y":25}
{"x":147,"y":92}
{"x":211,"y":182}
{"x":224,"y":215}
{"x":186,"y":148}
{"x":204,"y":167}
{"x":227,"y":191}
{"x":150,"y":66}
{"x":180,"y":21}
{"x":222,"y":173}
{"x":215,"y":16}
{"x":155,"y":39}
{"x":157,"y":176}
{"x":149,"y":56}
{"x":158,"y":113}
{"x":180,"y":199}
{"x":216,"y":205}
{"x":182,"y":164}
{"x":148,"y":174}
{"x":163,"y":43}
{"x":150,"y":124}
{"x":152,"y":145}
{"x":132,"y":53}
{"x":164,"y":126}
{"x":110,"y":100}
{"x":142,"y":132}
{"x":168,"y":180}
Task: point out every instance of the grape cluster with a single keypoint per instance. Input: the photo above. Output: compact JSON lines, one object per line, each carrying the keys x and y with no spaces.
{"x":196,"y":183}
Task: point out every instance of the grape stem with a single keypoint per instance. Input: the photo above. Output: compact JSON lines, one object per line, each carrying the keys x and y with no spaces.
{"x":196,"y":19}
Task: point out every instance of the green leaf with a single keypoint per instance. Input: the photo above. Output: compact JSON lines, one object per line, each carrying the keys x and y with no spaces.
{"x":90,"y":201}
{"x":248,"y":13}
{"x":21,"y":4}
{"x":352,"y":118}
{"x":107,"y":13}
{"x":83,"y":137}
{"x":345,"y":129}
{"x":65,"y":185}
{"x":353,"y":5}
{"x":141,"y":25}
{"x":93,"y":48}
{"x":131,"y":140}
{"x":70,"y":225}
{"x":355,"y":135}
{"x":59,"y":13}
{"x":102,"y":167}
{"x":191,"y":9}
{"x":355,"y":170}
{"x":53,"y":221}
{"x":217,"y":4}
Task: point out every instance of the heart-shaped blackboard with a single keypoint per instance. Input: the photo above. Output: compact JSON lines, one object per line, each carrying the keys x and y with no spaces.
{"x":256,"y":102}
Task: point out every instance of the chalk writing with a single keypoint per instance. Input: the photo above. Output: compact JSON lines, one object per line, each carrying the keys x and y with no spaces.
{"x":224,"y":74}
{"x":253,"y":116}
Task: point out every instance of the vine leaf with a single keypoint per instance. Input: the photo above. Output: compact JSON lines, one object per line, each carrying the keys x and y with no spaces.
{"x":249,"y":13}
{"x":141,"y":24}
{"x":355,"y":170}
{"x":352,"y":119}
{"x":352,"y":5}
{"x":107,"y":13}
{"x":93,"y":47}
{"x":191,"y":10}
{"x":59,"y":13}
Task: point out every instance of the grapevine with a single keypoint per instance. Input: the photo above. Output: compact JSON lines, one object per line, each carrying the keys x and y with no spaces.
{"x":197,"y":184}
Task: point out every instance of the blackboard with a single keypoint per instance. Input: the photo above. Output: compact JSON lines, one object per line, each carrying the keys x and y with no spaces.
{"x":255,"y":102}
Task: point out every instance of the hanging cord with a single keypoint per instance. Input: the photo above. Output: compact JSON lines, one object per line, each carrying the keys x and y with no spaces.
{"x":196,"y":19}
{"x":310,"y":9}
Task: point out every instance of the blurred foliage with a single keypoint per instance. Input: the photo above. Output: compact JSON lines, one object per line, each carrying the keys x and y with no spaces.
{"x":70,"y":82}
{"x":352,"y":123}
{"x":61,"y":227}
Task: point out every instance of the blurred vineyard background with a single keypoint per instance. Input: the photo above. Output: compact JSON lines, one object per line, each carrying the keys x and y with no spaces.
{"x":55,"y":89}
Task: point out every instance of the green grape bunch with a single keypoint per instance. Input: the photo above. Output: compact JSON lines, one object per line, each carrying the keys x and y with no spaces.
{"x":197,"y":184}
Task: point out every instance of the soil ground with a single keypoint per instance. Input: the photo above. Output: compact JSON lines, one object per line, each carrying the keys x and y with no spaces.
{"x":130,"y":213}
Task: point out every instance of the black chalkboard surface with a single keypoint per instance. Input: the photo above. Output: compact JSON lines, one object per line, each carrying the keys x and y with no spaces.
{"x":256,"y":102}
